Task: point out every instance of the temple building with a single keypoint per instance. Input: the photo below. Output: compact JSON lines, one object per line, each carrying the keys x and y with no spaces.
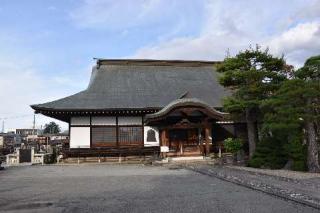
{"x":130,"y":107}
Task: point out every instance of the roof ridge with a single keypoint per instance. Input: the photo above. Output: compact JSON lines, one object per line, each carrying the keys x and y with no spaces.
{"x":156,"y":62}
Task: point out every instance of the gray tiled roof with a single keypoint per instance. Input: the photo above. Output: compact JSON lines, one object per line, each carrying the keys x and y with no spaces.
{"x":142,"y":85}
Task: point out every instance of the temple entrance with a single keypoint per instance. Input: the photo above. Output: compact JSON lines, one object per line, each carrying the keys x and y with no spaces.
{"x":185,"y":142}
{"x":185,"y":127}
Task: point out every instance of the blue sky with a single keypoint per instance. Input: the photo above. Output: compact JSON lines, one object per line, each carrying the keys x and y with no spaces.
{"x":47,"y":47}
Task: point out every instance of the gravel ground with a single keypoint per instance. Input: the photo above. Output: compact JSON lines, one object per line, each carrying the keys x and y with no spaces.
{"x":296,"y":186}
{"x":280,"y":173}
{"x":129,"y":188}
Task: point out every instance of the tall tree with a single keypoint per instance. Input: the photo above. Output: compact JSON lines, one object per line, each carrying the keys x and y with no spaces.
{"x":310,"y":74}
{"x":294,"y":108}
{"x":51,"y":128}
{"x":253,"y":75}
{"x":283,"y":115}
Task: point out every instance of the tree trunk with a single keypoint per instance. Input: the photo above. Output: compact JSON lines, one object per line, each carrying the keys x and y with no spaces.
{"x":313,"y":149}
{"x":252,"y":131}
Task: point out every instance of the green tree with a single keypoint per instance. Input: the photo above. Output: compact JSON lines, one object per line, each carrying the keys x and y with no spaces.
{"x":51,"y":128}
{"x":295,"y":108}
{"x":283,"y":119}
{"x":310,"y":74}
{"x":270,"y":153}
{"x":253,"y":76}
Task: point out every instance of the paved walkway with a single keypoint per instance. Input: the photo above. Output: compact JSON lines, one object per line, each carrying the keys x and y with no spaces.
{"x":130,"y":188}
{"x":297,"y":186}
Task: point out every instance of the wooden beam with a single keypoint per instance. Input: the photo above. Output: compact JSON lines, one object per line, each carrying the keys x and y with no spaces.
{"x":207,"y":139}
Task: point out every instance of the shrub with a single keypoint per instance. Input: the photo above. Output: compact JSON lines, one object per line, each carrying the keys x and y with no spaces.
{"x":299,"y":166}
{"x":297,"y":152}
{"x":269,"y":154}
{"x":233,"y":145}
{"x":255,"y":162}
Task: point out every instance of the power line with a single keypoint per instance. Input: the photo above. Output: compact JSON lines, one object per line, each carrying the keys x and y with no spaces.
{"x":14,"y":117}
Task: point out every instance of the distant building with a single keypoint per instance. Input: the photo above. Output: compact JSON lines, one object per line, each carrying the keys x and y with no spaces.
{"x":9,"y":141}
{"x":28,"y":135}
{"x":53,"y":139}
{"x":26,"y":132}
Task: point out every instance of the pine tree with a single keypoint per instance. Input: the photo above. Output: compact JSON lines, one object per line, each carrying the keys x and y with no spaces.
{"x":253,"y":75}
{"x":310,"y":74}
{"x":293,"y":109}
{"x":270,"y":153}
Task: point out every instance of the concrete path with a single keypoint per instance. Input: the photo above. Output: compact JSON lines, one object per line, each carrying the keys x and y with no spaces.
{"x":129,"y":188}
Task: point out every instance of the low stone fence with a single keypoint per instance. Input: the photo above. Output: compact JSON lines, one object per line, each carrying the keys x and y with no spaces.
{"x":12,"y":159}
{"x":41,"y":158}
{"x":36,"y":158}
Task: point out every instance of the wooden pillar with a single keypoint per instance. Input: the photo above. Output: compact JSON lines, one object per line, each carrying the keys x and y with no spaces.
{"x":201,"y":140}
{"x":207,"y":139}
{"x":162,"y":138}
{"x":164,"y":135}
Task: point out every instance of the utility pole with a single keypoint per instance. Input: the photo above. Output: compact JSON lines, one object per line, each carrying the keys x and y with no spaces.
{"x":3,"y":126}
{"x":34,"y":130}
{"x":34,"y":123}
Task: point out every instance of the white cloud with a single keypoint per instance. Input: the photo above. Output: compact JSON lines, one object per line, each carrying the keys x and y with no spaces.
{"x":297,"y":43}
{"x":220,"y":32}
{"x":115,"y":15}
{"x":310,"y":10}
{"x":158,"y":20}
{"x":204,"y":47}
{"x":24,"y":81}
{"x":22,"y":85}
{"x":236,"y":26}
{"x":73,"y":79}
{"x":304,"y":36}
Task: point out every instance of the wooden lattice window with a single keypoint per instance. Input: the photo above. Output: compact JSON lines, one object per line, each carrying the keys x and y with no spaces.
{"x":130,"y":135}
{"x":104,"y":136}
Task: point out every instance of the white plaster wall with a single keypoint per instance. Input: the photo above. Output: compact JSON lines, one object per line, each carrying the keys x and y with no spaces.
{"x":146,"y":128}
{"x":80,"y":120}
{"x":79,"y":137}
{"x":103,"y":120}
{"x":130,"y":120}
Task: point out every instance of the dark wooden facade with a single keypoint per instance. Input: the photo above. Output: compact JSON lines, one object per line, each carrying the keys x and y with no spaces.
{"x":186,"y":127}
